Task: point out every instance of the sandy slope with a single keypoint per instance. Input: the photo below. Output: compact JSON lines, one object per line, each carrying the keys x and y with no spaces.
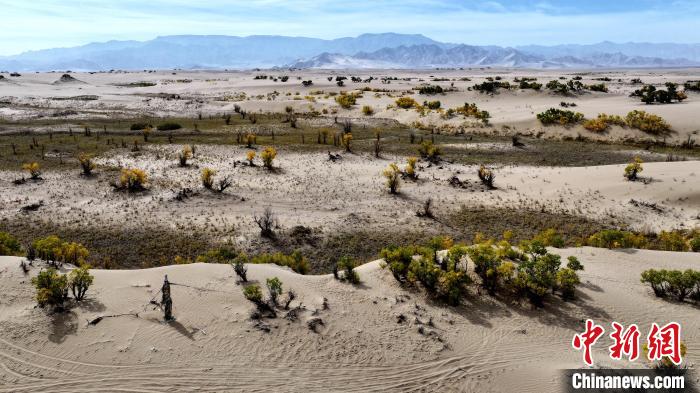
{"x":214,"y":347}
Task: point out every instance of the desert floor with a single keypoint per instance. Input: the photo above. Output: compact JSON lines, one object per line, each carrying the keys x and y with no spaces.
{"x":484,"y":345}
{"x":565,"y":178}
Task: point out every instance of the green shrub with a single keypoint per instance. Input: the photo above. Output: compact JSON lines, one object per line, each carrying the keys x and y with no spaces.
{"x":51,"y":288}
{"x":574,"y":264}
{"x":486,"y":263}
{"x":169,"y":126}
{"x":680,"y":284}
{"x":695,"y":242}
{"x":430,"y":90}
{"x":567,"y":279}
{"x":673,"y":241}
{"x":657,"y":280}
{"x":633,"y":169}
{"x":550,"y":238}
{"x":598,"y":87}
{"x":274,"y":287}
{"x":649,"y":94}
{"x":398,"y":259}
{"x":530,"y":85}
{"x":490,"y":86}
{"x":538,"y":273}
{"x":79,"y":281}
{"x":140,"y":126}
{"x":434,"y":105}
{"x":253,"y":293}
{"x":452,"y":286}
{"x":296,"y":261}
{"x":8,"y":244}
{"x":613,"y":238}
{"x":559,"y":116}
{"x":348,"y":265}
{"x":218,"y":255}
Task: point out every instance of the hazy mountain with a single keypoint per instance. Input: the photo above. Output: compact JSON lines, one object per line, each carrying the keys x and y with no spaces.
{"x":431,"y":56}
{"x":632,"y":49}
{"x":388,"y":50}
{"x":186,"y":51}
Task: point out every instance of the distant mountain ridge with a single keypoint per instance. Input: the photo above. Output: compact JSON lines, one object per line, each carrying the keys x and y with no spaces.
{"x":386,"y":50}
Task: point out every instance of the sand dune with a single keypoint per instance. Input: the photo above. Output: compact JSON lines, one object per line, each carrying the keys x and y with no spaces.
{"x":213,"y":346}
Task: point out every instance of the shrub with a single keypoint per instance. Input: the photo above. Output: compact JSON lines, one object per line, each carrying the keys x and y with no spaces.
{"x":574,"y":264}
{"x":680,"y":284}
{"x":647,"y":122}
{"x":649,"y":94}
{"x":34,"y":170}
{"x":406,"y":103}
{"x":471,"y":110}
{"x":603,"y":122}
{"x":452,"y":286}
{"x":86,"y":163}
{"x":490,"y":86}
{"x":208,"y":178}
{"x":348,"y":265}
{"x":346,"y":140}
{"x":530,"y":85}
{"x":613,"y":238}
{"x":430,"y":90}
{"x":559,"y":116}
{"x":399,"y":258}
{"x":367,"y":110}
{"x":185,"y":155}
{"x":295,"y":261}
{"x":51,"y":288}
{"x":633,"y":169}
{"x":345,"y":100}
{"x":250,"y":156}
{"x":8,"y":244}
{"x":486,"y":264}
{"x":169,"y":126}
{"x":537,"y":274}
{"x":673,"y":241}
{"x":486,"y":176}
{"x":598,"y":87}
{"x":434,"y":105}
{"x":411,"y":167}
{"x":268,"y":155}
{"x":53,"y":250}
{"x":274,"y":287}
{"x":550,"y":238}
{"x":253,"y":293}
{"x":132,"y":179}
{"x":695,"y":243}
{"x":267,"y":223}
{"x":567,"y":279}
{"x":250,"y":140}
{"x":240,"y":268}
{"x":392,"y":174}
{"x":657,"y":280}
{"x":217,"y":255}
{"x":140,"y":126}
{"x":79,"y":281}
{"x":429,"y":151}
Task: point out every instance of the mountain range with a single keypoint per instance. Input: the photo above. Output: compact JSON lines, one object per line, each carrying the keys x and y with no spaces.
{"x":387,"y":50}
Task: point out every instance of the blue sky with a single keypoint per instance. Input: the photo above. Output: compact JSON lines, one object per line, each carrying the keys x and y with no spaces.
{"x":38,"y":24}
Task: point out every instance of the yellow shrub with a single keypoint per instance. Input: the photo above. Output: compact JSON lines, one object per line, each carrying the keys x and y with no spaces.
{"x":367,"y":110}
{"x":411,"y":167}
{"x":345,"y":100}
{"x":647,"y":122}
{"x":33,"y":168}
{"x":392,"y":175}
{"x":86,"y":163}
{"x":406,"y":103}
{"x":347,"y":141}
{"x":208,"y":178}
{"x":268,"y":155}
{"x":133,"y":179}
{"x":250,"y":156}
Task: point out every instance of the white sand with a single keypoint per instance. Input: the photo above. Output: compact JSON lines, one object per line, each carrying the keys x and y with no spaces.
{"x":484,"y":345}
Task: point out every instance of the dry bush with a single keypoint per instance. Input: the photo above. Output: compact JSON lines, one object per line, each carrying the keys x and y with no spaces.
{"x":346,"y":140}
{"x":267,"y":223}
{"x":406,"y":103}
{"x":185,"y":155}
{"x":208,"y":178}
{"x":34,"y":170}
{"x":132,"y":180}
{"x":86,"y":163}
{"x":393,"y":177}
{"x":487,"y":177}
{"x":250,"y":156}
{"x":410,"y":170}
{"x":250,"y":140}
{"x":345,"y":100}
{"x":268,"y":155}
{"x":367,"y":110}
